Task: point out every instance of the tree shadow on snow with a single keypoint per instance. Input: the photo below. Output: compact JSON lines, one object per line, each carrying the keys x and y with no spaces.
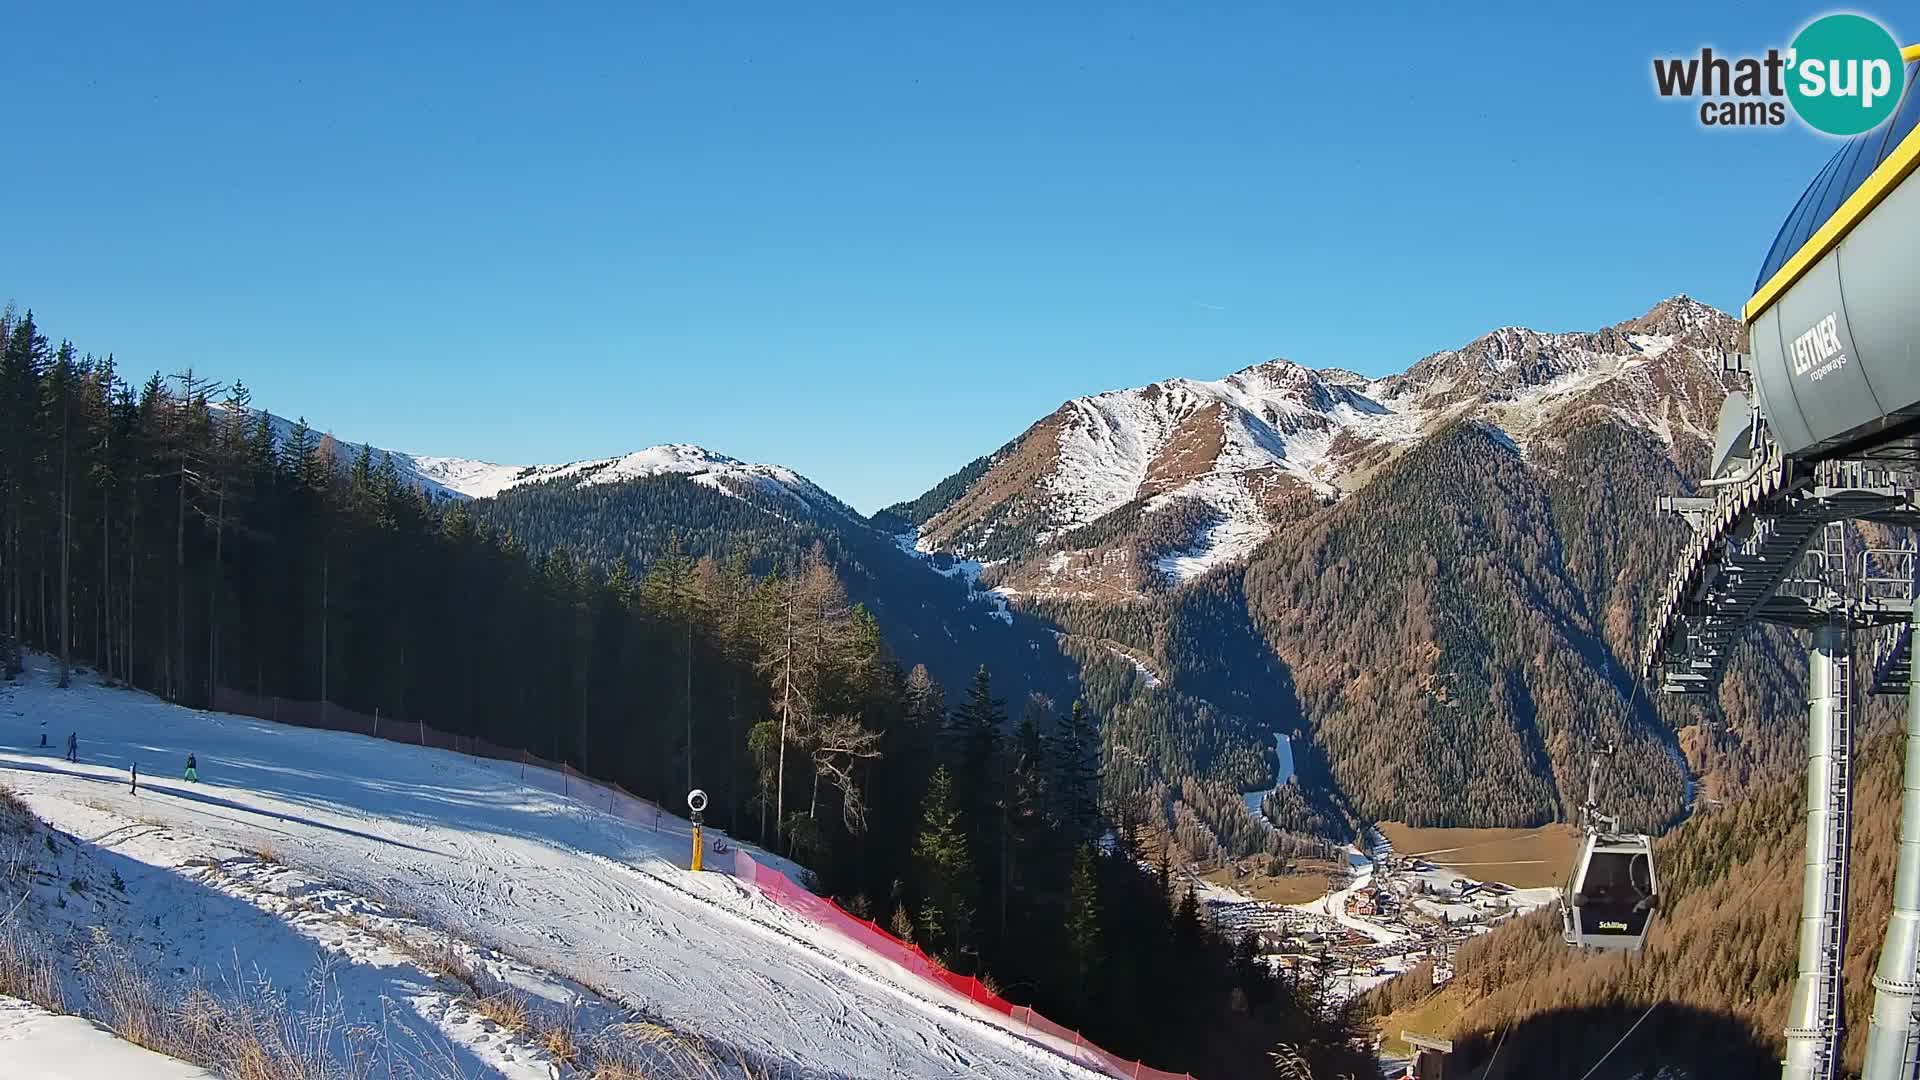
{"x":183,"y":933}
{"x":169,"y":790}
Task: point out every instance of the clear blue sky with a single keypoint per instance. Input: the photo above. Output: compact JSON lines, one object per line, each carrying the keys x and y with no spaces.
{"x":867,"y":241}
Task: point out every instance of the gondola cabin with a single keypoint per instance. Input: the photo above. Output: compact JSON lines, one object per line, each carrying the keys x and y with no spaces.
{"x":1610,"y":901}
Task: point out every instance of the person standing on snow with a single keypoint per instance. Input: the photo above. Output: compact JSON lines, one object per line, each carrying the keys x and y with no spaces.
{"x":73,"y":746}
{"x":193,"y":772}
{"x":133,"y":778}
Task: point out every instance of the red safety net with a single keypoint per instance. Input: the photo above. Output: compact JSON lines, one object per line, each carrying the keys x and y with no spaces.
{"x":1020,"y":1019}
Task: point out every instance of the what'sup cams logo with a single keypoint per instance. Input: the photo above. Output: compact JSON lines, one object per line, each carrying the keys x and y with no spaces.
{"x":1842,"y":75}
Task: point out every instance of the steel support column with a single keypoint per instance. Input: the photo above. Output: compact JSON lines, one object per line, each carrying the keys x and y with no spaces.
{"x":1893,"y":1041}
{"x":1814,"y":1020}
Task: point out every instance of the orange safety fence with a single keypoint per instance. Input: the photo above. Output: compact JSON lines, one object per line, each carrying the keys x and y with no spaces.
{"x":1022,"y":1020}
{"x":564,"y":780}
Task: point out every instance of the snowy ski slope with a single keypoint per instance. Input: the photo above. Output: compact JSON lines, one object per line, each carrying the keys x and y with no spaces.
{"x":465,"y":845}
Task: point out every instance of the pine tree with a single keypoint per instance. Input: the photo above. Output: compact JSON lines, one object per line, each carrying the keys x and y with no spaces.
{"x":1075,"y":784}
{"x":1083,"y":924}
{"x":976,"y":729}
{"x":945,"y":871}
{"x":60,"y":387}
{"x":1251,"y":974}
{"x":981,"y":787}
{"x":1188,"y":930}
{"x":669,"y":591}
{"x":925,"y":701}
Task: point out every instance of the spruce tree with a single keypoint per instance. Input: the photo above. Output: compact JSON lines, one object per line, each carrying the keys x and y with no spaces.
{"x":979,"y":784}
{"x":669,"y":592}
{"x":945,"y":870}
{"x":1075,"y":785}
{"x":1188,"y":930}
{"x":1083,"y":924}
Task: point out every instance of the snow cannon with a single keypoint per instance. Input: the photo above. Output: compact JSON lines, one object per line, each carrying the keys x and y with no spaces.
{"x":697,"y":803}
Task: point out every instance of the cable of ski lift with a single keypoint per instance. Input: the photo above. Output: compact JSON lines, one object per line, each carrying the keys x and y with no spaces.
{"x":1611,"y":893}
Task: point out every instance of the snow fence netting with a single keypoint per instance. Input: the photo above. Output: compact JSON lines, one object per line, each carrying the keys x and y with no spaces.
{"x":1020,"y":1019}
{"x":612,"y":799}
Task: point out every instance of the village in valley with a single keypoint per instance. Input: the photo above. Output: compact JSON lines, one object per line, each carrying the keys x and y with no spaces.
{"x":1387,"y":910}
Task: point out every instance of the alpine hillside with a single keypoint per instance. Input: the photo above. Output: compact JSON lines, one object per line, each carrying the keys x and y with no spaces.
{"x":1134,"y":490}
{"x":1433,"y":582}
{"x":635,"y":508}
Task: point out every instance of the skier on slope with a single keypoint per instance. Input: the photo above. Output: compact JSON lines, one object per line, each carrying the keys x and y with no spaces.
{"x":73,"y":746}
{"x":193,"y":771}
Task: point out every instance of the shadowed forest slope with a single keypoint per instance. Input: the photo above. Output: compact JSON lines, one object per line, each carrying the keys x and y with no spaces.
{"x":1724,"y":947}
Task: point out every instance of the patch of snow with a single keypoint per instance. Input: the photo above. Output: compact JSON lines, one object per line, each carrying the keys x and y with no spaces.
{"x":1146,"y":673}
{"x":1651,"y":345}
{"x":1224,"y":542}
{"x":464,"y":476}
{"x":967,"y":570}
{"x":486,"y":848}
{"x":40,"y":1045}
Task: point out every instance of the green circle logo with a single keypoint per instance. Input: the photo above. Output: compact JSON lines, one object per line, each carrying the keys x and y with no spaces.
{"x":1845,"y":74}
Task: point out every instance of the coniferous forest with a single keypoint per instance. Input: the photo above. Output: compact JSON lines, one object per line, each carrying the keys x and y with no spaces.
{"x":159,"y":533}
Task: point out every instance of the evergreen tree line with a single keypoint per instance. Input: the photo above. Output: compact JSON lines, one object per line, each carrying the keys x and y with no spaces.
{"x":1455,"y":668}
{"x":170,"y":537}
{"x":925,"y":617}
{"x":1022,"y":875}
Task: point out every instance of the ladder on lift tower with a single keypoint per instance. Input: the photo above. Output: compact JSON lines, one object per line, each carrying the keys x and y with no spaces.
{"x":1833,"y":932}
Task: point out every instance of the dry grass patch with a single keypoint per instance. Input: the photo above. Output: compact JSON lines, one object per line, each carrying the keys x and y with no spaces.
{"x":644,"y":1051}
{"x":1436,"y":1014}
{"x":1523,"y":858}
{"x":27,"y":972}
{"x":507,"y":1008}
{"x":1296,"y":888}
{"x":14,"y":815}
{"x":557,"y":1037}
{"x":442,"y":959}
{"x":445,"y":961}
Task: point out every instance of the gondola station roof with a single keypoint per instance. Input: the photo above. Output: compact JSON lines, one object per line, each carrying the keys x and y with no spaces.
{"x":1834,"y":331}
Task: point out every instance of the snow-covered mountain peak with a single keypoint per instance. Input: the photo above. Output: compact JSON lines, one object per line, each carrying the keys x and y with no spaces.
{"x":1679,"y":315}
{"x":730,"y":475}
{"x":454,"y":478}
{"x":1218,"y":462}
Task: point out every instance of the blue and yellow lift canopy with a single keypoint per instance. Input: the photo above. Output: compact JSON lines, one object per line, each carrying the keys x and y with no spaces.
{"x":1834,"y":321}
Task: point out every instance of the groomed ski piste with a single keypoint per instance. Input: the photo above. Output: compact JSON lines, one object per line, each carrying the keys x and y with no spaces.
{"x":300,"y":847}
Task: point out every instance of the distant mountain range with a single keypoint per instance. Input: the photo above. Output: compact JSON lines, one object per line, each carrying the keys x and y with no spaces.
{"x":1070,"y":505}
{"x":1432,"y":581}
